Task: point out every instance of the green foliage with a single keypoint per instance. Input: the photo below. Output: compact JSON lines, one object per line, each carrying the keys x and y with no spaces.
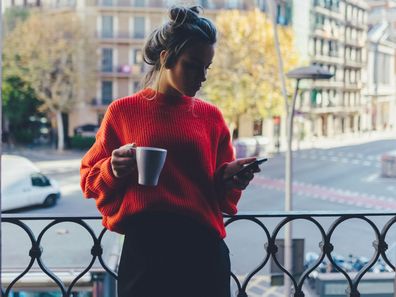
{"x":24,"y":136}
{"x":13,"y":16}
{"x":81,"y":142}
{"x":244,"y":74}
{"x":19,"y":104}
{"x":19,"y":100}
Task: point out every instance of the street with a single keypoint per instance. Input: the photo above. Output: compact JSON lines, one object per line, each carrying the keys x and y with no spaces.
{"x":334,"y":179}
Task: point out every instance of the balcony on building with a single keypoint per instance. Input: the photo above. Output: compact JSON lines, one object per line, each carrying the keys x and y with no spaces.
{"x":151,"y":5}
{"x":123,"y":71}
{"x":334,"y":14}
{"x":76,"y":256}
{"x":120,"y":38}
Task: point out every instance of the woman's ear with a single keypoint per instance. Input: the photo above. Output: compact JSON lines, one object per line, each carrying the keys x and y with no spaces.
{"x":163,"y":57}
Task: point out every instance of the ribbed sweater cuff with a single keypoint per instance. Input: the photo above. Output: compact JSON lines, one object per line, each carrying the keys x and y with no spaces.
{"x":220,"y":184}
{"x":108,"y":176}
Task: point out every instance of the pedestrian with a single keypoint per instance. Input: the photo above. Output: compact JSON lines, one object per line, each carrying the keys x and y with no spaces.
{"x":173,"y":245}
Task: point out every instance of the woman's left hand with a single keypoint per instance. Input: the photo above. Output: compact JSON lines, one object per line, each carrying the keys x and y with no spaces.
{"x":242,"y":181}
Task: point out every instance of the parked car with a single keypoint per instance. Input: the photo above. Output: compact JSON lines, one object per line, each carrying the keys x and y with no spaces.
{"x":87,"y":130}
{"x":388,"y":164}
{"x":24,"y":185}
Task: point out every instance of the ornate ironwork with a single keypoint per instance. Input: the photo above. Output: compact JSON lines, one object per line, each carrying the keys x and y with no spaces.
{"x":270,"y":249}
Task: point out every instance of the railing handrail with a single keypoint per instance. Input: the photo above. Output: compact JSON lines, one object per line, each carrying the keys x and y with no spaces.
{"x":264,"y":214}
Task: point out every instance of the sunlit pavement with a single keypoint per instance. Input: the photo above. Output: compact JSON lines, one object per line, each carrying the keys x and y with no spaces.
{"x":339,"y":140}
{"x":260,"y":286}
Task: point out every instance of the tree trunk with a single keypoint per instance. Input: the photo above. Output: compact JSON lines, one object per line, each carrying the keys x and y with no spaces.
{"x":61,"y":136}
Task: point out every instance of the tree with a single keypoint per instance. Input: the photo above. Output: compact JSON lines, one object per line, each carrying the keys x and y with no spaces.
{"x":55,"y":56}
{"x":243,"y":78}
{"x":13,"y":16}
{"x":19,"y":105}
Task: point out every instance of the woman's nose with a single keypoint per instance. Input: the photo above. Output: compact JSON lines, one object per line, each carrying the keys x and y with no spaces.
{"x":204,"y":73}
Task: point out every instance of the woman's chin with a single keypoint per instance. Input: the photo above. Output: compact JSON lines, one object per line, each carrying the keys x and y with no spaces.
{"x":190,"y":93}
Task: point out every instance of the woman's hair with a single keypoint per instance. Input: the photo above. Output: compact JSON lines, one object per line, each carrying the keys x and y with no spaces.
{"x":184,"y":28}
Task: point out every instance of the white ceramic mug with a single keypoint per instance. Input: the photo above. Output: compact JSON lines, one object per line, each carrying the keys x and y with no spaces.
{"x":150,"y":161}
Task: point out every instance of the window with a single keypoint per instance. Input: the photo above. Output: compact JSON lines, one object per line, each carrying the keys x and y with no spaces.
{"x":319,"y":21}
{"x":107,"y":92}
{"x":206,"y":3}
{"x":39,"y":180}
{"x":333,"y":50}
{"x":140,"y":3}
{"x":107,"y":59}
{"x":233,"y":4}
{"x":107,"y":2}
{"x":139,"y":27}
{"x":258,"y":127}
{"x":383,"y":69}
{"x":107,"y":26}
{"x":137,"y":56}
{"x":315,"y":93}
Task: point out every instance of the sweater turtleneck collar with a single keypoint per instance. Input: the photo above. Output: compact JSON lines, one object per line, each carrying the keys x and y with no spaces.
{"x":165,"y":99}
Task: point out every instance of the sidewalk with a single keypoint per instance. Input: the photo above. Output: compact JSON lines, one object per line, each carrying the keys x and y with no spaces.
{"x":37,"y":154}
{"x":340,"y":140}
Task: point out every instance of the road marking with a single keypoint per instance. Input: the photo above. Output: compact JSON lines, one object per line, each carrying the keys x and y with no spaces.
{"x":340,"y":157}
{"x":391,"y":188}
{"x":70,"y":189}
{"x":260,"y":286}
{"x":324,"y":193}
{"x":371,"y":177}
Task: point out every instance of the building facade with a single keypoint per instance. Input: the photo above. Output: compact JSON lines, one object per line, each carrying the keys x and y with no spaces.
{"x":380,"y":94}
{"x":332,"y":34}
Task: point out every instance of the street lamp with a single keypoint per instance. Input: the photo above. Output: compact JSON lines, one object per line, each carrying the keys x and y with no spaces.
{"x":312,"y":72}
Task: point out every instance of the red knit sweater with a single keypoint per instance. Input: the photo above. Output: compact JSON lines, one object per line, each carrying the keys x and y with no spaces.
{"x":198,"y":144}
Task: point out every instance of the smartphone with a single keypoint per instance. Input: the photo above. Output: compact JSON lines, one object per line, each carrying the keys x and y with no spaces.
{"x":247,"y":167}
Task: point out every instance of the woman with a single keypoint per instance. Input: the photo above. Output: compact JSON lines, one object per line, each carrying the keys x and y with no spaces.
{"x":173,"y":232}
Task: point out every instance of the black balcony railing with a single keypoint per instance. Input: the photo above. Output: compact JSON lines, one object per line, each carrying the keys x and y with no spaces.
{"x":270,"y":249}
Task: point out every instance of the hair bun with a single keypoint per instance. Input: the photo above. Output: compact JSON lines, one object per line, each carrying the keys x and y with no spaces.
{"x":180,"y":15}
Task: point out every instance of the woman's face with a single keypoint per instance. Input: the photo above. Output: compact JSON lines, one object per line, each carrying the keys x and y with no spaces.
{"x":186,"y":75}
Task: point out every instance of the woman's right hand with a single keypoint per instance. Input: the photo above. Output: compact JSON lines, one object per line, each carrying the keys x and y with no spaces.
{"x":123,"y":160}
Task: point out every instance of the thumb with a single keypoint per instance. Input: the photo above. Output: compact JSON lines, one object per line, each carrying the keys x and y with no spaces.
{"x":244,"y":161}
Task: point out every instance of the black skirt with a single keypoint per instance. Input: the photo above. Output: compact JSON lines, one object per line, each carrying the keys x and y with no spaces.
{"x":168,"y":255}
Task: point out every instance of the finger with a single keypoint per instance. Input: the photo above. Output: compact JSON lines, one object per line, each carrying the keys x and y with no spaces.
{"x":123,"y":161}
{"x":239,"y":184}
{"x":245,"y":179}
{"x":244,"y":161}
{"x":131,"y":148}
{"x":126,"y":150}
{"x":122,"y":152}
{"x":121,"y":172}
{"x":248,"y":176}
{"x":121,"y":168}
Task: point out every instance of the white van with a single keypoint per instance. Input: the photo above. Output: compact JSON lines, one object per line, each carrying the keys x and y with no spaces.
{"x":22,"y":184}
